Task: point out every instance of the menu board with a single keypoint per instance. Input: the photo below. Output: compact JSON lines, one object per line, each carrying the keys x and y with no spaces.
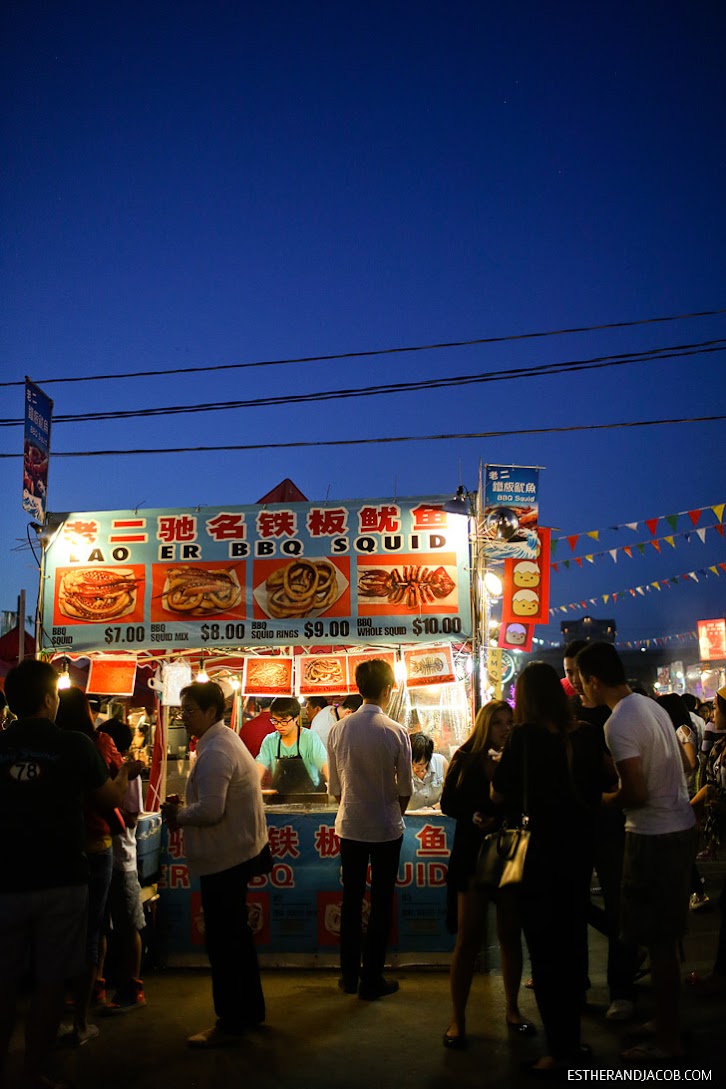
{"x":387,"y":571}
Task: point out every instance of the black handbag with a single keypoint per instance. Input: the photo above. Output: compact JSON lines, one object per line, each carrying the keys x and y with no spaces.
{"x":502,"y":854}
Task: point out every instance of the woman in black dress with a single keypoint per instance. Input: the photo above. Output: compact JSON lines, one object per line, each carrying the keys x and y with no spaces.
{"x":466,"y":797}
{"x":562,"y":761}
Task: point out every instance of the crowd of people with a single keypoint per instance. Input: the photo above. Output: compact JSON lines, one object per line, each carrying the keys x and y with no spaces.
{"x":602,"y":777}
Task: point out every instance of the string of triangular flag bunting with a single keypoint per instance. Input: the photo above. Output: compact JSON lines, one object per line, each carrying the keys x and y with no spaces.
{"x":641,"y":591}
{"x":659,"y":640}
{"x":640,"y":546}
{"x":650,"y":523}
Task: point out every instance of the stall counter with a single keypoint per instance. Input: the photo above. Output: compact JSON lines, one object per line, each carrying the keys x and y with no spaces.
{"x":295,"y":910}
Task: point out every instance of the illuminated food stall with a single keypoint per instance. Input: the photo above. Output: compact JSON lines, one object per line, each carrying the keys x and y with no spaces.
{"x":283,"y":599}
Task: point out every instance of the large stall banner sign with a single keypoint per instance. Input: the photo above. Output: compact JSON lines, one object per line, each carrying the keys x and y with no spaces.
{"x":368,"y":571}
{"x":712,"y":640}
{"x":296,"y":909}
{"x":38,"y":416}
{"x":508,"y":527}
{"x":526,"y":597}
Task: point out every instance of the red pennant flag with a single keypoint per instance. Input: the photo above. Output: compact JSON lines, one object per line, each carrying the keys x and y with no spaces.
{"x":652,"y":524}
{"x":628,"y":551}
{"x":572,"y":541}
{"x":555,"y":567}
{"x":615,"y":597}
{"x":719,"y":528}
{"x":723,"y":566}
{"x":578,"y":561}
{"x":694,"y":515}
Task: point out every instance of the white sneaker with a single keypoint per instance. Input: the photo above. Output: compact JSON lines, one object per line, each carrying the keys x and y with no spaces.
{"x":620,"y":1009}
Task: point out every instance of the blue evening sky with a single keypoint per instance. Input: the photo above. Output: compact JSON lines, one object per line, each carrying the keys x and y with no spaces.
{"x":187,"y":184}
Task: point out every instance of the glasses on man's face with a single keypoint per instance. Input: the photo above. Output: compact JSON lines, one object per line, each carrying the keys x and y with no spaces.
{"x":281,"y":721}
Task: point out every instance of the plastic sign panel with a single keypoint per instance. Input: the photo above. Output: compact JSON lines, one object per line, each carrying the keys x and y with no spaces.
{"x":38,"y":415}
{"x":526,"y":598}
{"x":509,"y":519}
{"x":362,"y":571}
{"x":712,"y":640}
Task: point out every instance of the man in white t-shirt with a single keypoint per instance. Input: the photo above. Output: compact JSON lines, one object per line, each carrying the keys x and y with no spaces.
{"x":660,"y":834}
{"x":369,"y":763}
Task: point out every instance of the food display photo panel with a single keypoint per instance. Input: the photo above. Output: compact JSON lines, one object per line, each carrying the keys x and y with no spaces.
{"x":98,"y":594}
{"x":414,"y":583}
{"x":433,"y":664}
{"x":198,"y":591}
{"x":322,"y":674}
{"x":354,"y":660}
{"x":263,"y":676}
{"x":292,"y":589}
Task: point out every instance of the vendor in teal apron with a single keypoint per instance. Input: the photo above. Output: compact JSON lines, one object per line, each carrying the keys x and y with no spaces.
{"x":295,"y":758}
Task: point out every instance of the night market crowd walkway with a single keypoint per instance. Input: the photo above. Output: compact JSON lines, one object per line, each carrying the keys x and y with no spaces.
{"x":316,"y":1036}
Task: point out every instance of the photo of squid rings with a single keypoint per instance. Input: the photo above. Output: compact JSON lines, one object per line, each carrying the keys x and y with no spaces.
{"x":196,"y":591}
{"x":300,"y":588}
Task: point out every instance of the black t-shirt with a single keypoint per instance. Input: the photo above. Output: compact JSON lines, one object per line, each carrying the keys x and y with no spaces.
{"x":44,"y":774}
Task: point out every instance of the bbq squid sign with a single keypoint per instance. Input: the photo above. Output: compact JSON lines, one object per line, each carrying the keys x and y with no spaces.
{"x":359,"y":571}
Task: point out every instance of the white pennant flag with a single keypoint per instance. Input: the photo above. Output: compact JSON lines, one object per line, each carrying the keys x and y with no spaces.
{"x":614,"y":554}
{"x":701,"y":535}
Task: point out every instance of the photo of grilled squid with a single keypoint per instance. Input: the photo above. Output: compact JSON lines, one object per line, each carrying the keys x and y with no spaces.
{"x":301,"y":587}
{"x":194,"y":591}
{"x":96,"y":595}
{"x":323,"y":671}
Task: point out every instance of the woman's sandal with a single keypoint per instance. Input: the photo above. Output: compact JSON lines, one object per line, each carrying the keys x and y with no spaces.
{"x":456,"y":1042}
{"x":522,"y":1027}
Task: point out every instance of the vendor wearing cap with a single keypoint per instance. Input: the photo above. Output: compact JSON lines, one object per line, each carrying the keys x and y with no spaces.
{"x":294,"y":757}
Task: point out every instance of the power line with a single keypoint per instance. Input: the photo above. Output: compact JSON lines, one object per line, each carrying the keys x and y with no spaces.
{"x":380,"y":351}
{"x":648,"y":355}
{"x":383,"y":440}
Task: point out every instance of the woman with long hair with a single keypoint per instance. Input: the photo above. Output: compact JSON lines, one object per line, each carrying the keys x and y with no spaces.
{"x":466,"y":797}
{"x":551,"y":768}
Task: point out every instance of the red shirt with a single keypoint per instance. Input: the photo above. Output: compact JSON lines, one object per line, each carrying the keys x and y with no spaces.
{"x":254,"y":732}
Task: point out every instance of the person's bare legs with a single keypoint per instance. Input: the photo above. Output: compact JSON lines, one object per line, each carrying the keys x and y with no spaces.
{"x":41,"y":1027}
{"x":509,"y":936}
{"x":82,"y":993}
{"x":471,"y":921}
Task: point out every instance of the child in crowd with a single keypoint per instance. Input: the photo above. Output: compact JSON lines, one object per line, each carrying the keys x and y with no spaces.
{"x":124,"y":900}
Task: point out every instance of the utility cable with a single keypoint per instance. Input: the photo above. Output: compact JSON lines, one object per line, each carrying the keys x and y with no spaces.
{"x":379,"y":351}
{"x":508,"y":432}
{"x":648,"y":355}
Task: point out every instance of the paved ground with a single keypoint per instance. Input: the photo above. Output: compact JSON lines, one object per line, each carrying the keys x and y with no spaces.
{"x":317,"y":1036}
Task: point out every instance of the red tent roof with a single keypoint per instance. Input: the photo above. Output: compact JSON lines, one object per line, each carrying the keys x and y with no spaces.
{"x":284,"y":492}
{"x":10,"y":642}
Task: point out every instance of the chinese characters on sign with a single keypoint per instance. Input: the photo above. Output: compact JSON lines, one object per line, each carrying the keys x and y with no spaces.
{"x":38,"y":414}
{"x":509,"y":520}
{"x":363,"y":571}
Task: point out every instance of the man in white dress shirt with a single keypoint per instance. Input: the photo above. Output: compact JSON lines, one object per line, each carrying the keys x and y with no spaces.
{"x":369,"y":760}
{"x":226,"y":843}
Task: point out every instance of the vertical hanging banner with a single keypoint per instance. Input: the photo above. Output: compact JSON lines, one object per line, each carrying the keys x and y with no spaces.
{"x":36,"y":452}
{"x":509,"y":520}
{"x":384,"y":572}
{"x":712,"y":640}
{"x":526,"y":598}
